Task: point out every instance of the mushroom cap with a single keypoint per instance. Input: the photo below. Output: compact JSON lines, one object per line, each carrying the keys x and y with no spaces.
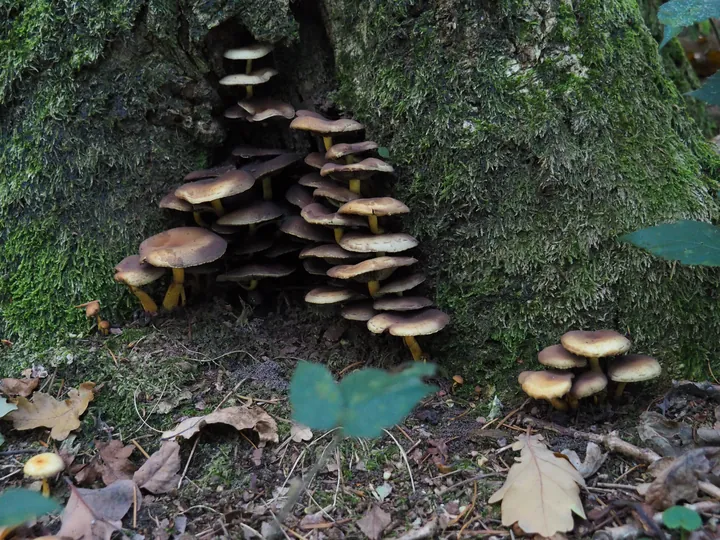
{"x":316,"y":267}
{"x":252,"y":271}
{"x":135,"y":273}
{"x":44,"y":465}
{"x":546,"y":384}
{"x":299,"y":196}
{"x":257,"y":212}
{"x":314,"y":180}
{"x":336,"y":193}
{"x":375,"y":243}
{"x":173,"y":202}
{"x":259,"y":76}
{"x":298,"y":227}
{"x":322,"y":126}
{"x":92,"y":308}
{"x":255,"y":244}
{"x":226,"y":230}
{"x":595,"y":344}
{"x":376,"y":206}
{"x":330,"y":295}
{"x":588,"y":383}
{"x":359,"y":311}
{"x":634,"y":368}
{"x":331,"y":253}
{"x":349,"y":271}
{"x":317,"y":214}
{"x":428,"y":322}
{"x":282,"y":248}
{"x":211,"y":189}
{"x":315,"y":160}
{"x":337,"y":151}
{"x":458,"y":379}
{"x":246,"y":151}
{"x":260,"y":109}
{"x":382,"y":321}
{"x":249,"y":52}
{"x":556,"y":356}
{"x":182,"y":247}
{"x":402,"y":303}
{"x":208,"y":173}
{"x":236,"y":112}
{"x":362,"y":169}
{"x":273,"y":166}
{"x":402,"y":284}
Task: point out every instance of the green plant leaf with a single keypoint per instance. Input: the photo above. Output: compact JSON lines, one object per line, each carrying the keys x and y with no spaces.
{"x":383,"y":152}
{"x":679,"y":517}
{"x":6,"y":407}
{"x":690,"y":242}
{"x":708,"y":92}
{"x":20,"y":505}
{"x":375,"y":399}
{"x":676,"y":14}
{"x":315,"y":397}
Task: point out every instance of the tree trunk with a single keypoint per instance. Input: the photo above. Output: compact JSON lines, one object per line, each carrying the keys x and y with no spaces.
{"x":527,"y":135}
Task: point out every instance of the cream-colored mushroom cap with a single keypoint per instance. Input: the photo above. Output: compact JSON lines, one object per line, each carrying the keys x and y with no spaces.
{"x":249,"y":52}
{"x":359,"y":311}
{"x":182,"y":247}
{"x":546,"y":384}
{"x":299,"y":228}
{"x":428,"y":322}
{"x":273,"y":166}
{"x":259,"y":109}
{"x":135,"y":273}
{"x":338,"y":151}
{"x":376,"y":206}
{"x":211,"y":189}
{"x":362,"y":169}
{"x":173,"y":202}
{"x":402,"y":284}
{"x":381,"y":322}
{"x":322,"y":126}
{"x":299,"y":196}
{"x":557,"y":357}
{"x":597,"y":344}
{"x":349,"y":271}
{"x":588,"y":383}
{"x":330,"y":252}
{"x":257,"y":212}
{"x":246,"y":152}
{"x":314,"y":180}
{"x":248,"y":272}
{"x":44,"y":465}
{"x":377,"y":243}
{"x":208,"y":173}
{"x":634,"y":368}
{"x":330,"y":295}
{"x":315,"y":160}
{"x":402,"y":303}
{"x":317,"y":214}
{"x":258,"y":76}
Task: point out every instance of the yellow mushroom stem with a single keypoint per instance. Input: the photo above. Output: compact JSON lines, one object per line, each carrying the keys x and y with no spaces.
{"x":176,"y":291}
{"x":373,"y":222}
{"x":414,"y":347}
{"x":218,"y":207}
{"x":595,"y":364}
{"x":267,"y":188}
{"x":619,"y":390}
{"x":373,"y":287}
{"x":148,"y":303}
{"x":251,"y":286}
{"x":327,"y":141}
{"x":349,"y":159}
{"x":355,"y":185}
{"x":248,"y":66}
{"x":574,"y":402}
{"x":45,"y":488}
{"x":338,"y":234}
{"x":559,"y":404}
{"x":199,"y":220}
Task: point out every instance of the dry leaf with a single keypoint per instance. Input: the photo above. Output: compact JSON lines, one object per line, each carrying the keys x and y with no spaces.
{"x":541,"y":491}
{"x":18,"y":387}
{"x":97,"y":513}
{"x":238,"y":417}
{"x":300,"y":433}
{"x":594,"y":459}
{"x":159,"y":474}
{"x":46,"y":411}
{"x":374,"y":522}
{"x":115,"y":464}
{"x":679,"y":481}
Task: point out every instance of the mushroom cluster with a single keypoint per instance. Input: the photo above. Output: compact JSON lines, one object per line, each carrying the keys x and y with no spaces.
{"x":567,"y":377}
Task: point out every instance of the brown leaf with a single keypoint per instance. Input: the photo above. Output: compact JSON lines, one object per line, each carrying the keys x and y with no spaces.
{"x":46,"y":411}
{"x":97,"y":513}
{"x":679,"y":481}
{"x":115,"y":464}
{"x":374,"y":522}
{"x":159,"y":474}
{"x":238,"y":417}
{"x":541,"y":491}
{"x":300,"y":433}
{"x":18,"y":387}
{"x":594,"y":459}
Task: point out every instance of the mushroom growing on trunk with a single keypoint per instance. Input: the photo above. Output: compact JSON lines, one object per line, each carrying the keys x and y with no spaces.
{"x":585,"y":385}
{"x":374,"y":208}
{"x":136,"y":274}
{"x":212,"y":190}
{"x":632,"y":368}
{"x":595,"y":345}
{"x":318,"y":124}
{"x":371,"y":271}
{"x":547,"y":385}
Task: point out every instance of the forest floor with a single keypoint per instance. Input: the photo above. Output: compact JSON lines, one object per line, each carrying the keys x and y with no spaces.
{"x":429,"y":477}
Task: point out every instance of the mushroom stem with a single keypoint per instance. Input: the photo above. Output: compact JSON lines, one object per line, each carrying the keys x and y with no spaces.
{"x":251,"y":286}
{"x":267,"y":188}
{"x":45,"y":488}
{"x":373,"y":222}
{"x":595,"y":364}
{"x":176,"y":291}
{"x":355,"y":185}
{"x":338,"y":234}
{"x":248,"y":66}
{"x":559,"y":404}
{"x":574,"y":402}
{"x":148,"y":303}
{"x":199,"y":220}
{"x":414,"y":347}
{"x":373,"y":287}
{"x":218,"y":207}
{"x":248,"y":91}
{"x":619,"y":390}
{"x":327,"y":141}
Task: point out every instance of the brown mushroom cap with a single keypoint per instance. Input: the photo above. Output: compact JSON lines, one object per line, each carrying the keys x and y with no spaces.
{"x":359,"y":311}
{"x":428,"y":322}
{"x":588,"y":384}
{"x":211,"y":189}
{"x":338,"y":151}
{"x":557,"y":357}
{"x":350,"y":271}
{"x":376,"y":206}
{"x":317,"y":214}
{"x":136,"y":274}
{"x":257,"y":212}
{"x":260,"y":109}
{"x":634,"y":368}
{"x":597,"y":344}
{"x":375,"y":243}
{"x":330,"y":295}
{"x":336,"y":193}
{"x":44,"y":465}
{"x":246,"y":152}
{"x":248,"y":272}
{"x":182,"y":247}
{"x":316,"y":267}
{"x":331,"y":253}
{"x":249,"y":52}
{"x":273,"y":166}
{"x":315,"y":160}
{"x":298,"y":227}
{"x":314,"y":180}
{"x":259,"y":76}
{"x":208,"y":173}
{"x":236,"y":112}
{"x":402,"y":303}
{"x":524,"y":375}
{"x":362,"y":169}
{"x":172,"y":202}
{"x":282,"y":248}
{"x":402,"y":284}
{"x":255,"y":244}
{"x":225,"y":230}
{"x":546,"y":384}
{"x":322,"y":126}
{"x":299,"y":196}
{"x":381,"y":322}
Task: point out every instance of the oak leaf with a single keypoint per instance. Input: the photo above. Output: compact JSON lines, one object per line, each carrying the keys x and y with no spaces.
{"x":18,"y":387}
{"x":240,"y":418}
{"x":111,"y":463}
{"x":541,"y":491}
{"x":46,"y":411}
{"x":159,"y":474}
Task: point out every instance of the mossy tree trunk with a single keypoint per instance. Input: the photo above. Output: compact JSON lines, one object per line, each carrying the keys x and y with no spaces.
{"x":527,"y":135}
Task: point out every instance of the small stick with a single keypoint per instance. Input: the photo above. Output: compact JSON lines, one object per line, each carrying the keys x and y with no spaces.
{"x":710,"y":489}
{"x":134,"y":506}
{"x":405,"y":458}
{"x":187,"y":465}
{"x":142,"y":450}
{"x":617,"y":486}
{"x":512,"y":413}
{"x":229,"y":394}
{"x":623,"y":475}
{"x":348,"y":368}
{"x":426,"y":531}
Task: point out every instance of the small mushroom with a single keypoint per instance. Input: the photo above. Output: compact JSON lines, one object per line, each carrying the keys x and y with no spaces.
{"x":245,"y":151}
{"x":402,"y":303}
{"x":266,"y":170}
{"x":299,"y":228}
{"x":595,"y":345}
{"x":316,"y":160}
{"x":335,"y":193}
{"x":314,"y":180}
{"x":282,"y":248}
{"x":260,"y":109}
{"x":632,"y":368}
{"x":330,"y":295}
{"x":355,"y":172}
{"x":212,"y":190}
{"x":585,"y":385}
{"x":92,"y":309}
{"x":359,"y":311}
{"x":547,"y":385}
{"x":316,"y":123}
{"x":382,"y":321}
{"x":425,"y":323}
{"x":557,"y":357}
{"x":212,"y":172}
{"x":373,"y":208}
{"x":457,"y":381}
{"x":253,"y":215}
{"x":317,"y":214}
{"x":104,"y":327}
{"x":249,"y":53}
{"x":249,"y":275}
{"x":42,"y":467}
{"x":371,"y":270}
{"x":316,"y":267}
{"x":377,"y":243}
{"x":136,"y":274}
{"x":348,"y":151}
{"x":400,"y":285}
{"x":299,"y":196}
{"x":248,"y":80}
{"x":173,"y":202}
{"x":331,"y":253}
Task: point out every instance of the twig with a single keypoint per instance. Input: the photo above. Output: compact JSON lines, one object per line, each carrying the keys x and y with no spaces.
{"x":139,"y":415}
{"x":339,"y":477}
{"x":187,"y":465}
{"x":475,"y":478}
{"x":617,"y":486}
{"x":709,"y":489}
{"x":348,"y":368}
{"x":142,"y":450}
{"x":230,"y":393}
{"x":135,"y":506}
{"x":631,"y":469}
{"x":426,"y":531}
{"x":248,"y":528}
{"x":512,"y":413}
{"x":11,"y":474}
{"x":405,"y":458}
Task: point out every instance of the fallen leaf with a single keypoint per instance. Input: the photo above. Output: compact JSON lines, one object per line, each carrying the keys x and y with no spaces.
{"x":240,"y":418}
{"x":159,"y":474}
{"x":679,"y":481}
{"x":374,"y":522}
{"x":97,"y":513}
{"x":115,"y":464}
{"x":46,"y":411}
{"x":35,"y":372}
{"x":666,"y":437}
{"x":300,"y":433}
{"x":169,"y":404}
{"x":18,"y":387}
{"x":311,"y":521}
{"x":6,"y":407}
{"x":257,"y":456}
{"x":594,"y":459}
{"x":381,"y":492}
{"x":541,"y":491}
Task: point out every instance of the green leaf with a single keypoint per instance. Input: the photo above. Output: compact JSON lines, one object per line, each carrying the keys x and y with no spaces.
{"x":690,"y":242}
{"x":679,"y":517}
{"x":20,"y":505}
{"x":6,"y":407}
{"x":677,"y":14}
{"x":708,"y":92}
{"x":383,"y":152}
{"x":375,"y":399}
{"x":315,"y":397}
